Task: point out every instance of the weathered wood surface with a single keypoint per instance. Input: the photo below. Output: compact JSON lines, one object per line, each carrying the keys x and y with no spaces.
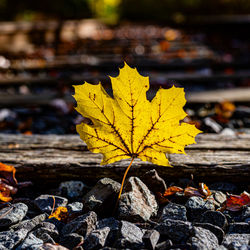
{"x":184,"y":77}
{"x":233,"y":95}
{"x":53,"y":158}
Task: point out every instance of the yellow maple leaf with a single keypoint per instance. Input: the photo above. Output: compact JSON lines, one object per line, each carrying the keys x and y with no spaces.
{"x":129,"y":125}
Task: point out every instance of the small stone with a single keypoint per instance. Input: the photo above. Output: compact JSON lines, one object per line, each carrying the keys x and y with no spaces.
{"x":224,"y":187}
{"x":174,"y":211}
{"x":129,"y":236}
{"x":215,"y":218}
{"x":57,"y":223}
{"x":32,"y":208}
{"x":75,"y":207}
{"x":46,"y":238}
{"x":221,"y":247}
{"x":31,"y":242}
{"x":219,"y":197}
{"x":97,"y":238}
{"x":111,"y":222}
{"x":203,"y":239}
{"x":53,"y":233}
{"x":245,"y":215}
{"x":236,"y":240}
{"x":176,"y":230}
{"x":217,"y":231}
{"x":239,"y":228}
{"x":48,"y":225}
{"x":164,"y":245}
{"x":10,"y":239}
{"x":45,"y":202}
{"x":242,"y":111}
{"x":137,"y":202}
{"x":12,"y":214}
{"x":228,"y":132}
{"x":114,"y":226}
{"x":72,"y":240}
{"x":181,"y":246}
{"x":30,"y":224}
{"x":154,"y":182}
{"x":50,"y":246}
{"x":247,"y":220}
{"x":150,"y":238}
{"x":212,"y":125}
{"x":102,"y":197}
{"x":196,"y":206}
{"x":72,"y":189}
{"x":82,"y":225}
{"x":229,"y":215}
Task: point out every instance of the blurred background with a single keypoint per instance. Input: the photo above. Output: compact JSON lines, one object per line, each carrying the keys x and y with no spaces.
{"x":46,"y":46}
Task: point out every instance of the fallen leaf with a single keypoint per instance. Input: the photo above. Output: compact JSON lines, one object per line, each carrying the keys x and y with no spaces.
{"x":191,"y":191}
{"x":130,"y":126}
{"x":8,"y":172}
{"x":5,"y":196}
{"x":8,"y":182}
{"x":203,"y":189}
{"x":172,"y":190}
{"x":61,"y":213}
{"x":236,"y":202}
{"x":28,"y":132}
{"x":224,"y":111}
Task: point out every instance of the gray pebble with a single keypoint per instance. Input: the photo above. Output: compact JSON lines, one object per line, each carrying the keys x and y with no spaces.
{"x":82,"y":225}
{"x":176,"y":230}
{"x":45,"y":202}
{"x":174,"y":211}
{"x":196,"y":206}
{"x":12,"y":214}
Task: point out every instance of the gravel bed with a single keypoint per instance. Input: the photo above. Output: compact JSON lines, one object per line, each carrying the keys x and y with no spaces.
{"x":140,"y":220}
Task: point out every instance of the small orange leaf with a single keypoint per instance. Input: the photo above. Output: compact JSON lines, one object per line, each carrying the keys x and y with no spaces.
{"x":203,"y":188}
{"x":8,"y":172}
{"x":203,"y":191}
{"x":8,"y":182}
{"x":236,"y":202}
{"x":61,"y":213}
{"x":5,"y":197}
{"x":5,"y":187}
{"x":172,"y":190}
{"x":28,"y":132}
{"x":6,"y":168}
{"x":224,"y":111}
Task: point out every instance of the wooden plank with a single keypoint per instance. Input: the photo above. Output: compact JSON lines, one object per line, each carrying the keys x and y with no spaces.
{"x":73,"y":142}
{"x":182,"y":77}
{"x":53,"y":158}
{"x":233,"y":95}
{"x":26,"y":100}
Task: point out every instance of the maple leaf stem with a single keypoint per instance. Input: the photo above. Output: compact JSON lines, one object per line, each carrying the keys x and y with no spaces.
{"x":54,"y":203}
{"x":123,"y":180}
